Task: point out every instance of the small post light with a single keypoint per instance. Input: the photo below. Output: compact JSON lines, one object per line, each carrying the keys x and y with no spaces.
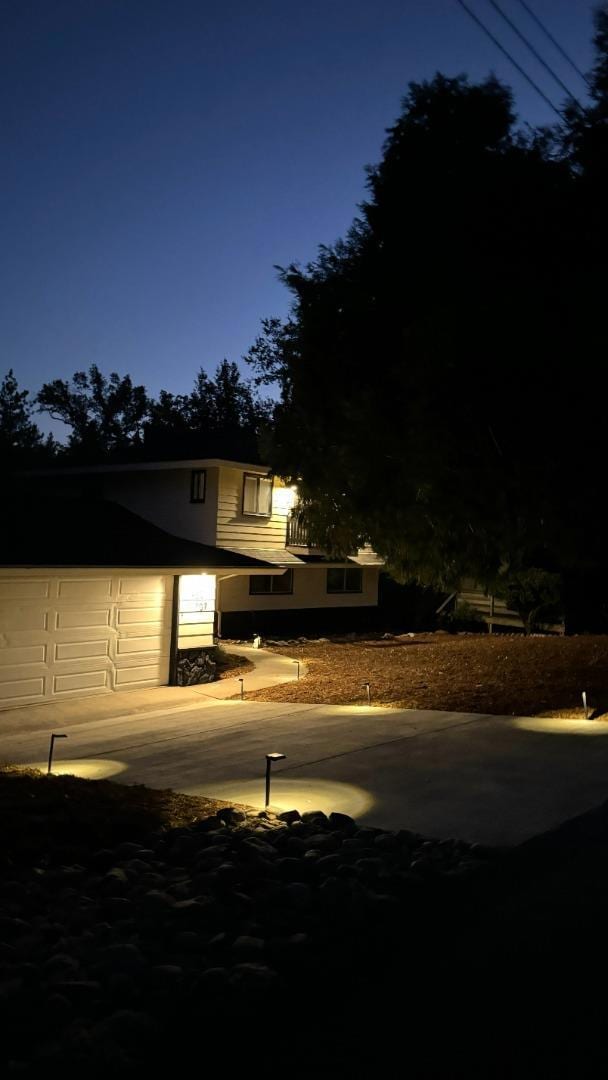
{"x":584,"y":696}
{"x":51,"y":749}
{"x":369,"y":696}
{"x":298,"y":668}
{"x":242,"y":690}
{"x":269,"y":760}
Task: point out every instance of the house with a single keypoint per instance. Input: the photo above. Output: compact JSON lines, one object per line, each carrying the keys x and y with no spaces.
{"x":112,"y":577}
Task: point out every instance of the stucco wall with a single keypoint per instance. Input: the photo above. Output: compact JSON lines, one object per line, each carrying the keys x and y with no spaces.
{"x":309,"y":591}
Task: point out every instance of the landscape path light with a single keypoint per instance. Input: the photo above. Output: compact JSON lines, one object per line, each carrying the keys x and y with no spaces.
{"x":584,"y":696}
{"x":269,"y":760}
{"x":242,"y":690}
{"x":298,"y":668}
{"x":51,"y":748}
{"x":369,"y":696}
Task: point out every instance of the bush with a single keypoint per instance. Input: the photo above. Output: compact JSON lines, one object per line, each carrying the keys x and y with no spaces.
{"x":462,"y":616}
{"x":536,"y":596}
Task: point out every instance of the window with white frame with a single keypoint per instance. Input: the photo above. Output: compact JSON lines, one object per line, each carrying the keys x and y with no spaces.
{"x":257,"y":495}
{"x":344,"y":579}
{"x":271,"y":584}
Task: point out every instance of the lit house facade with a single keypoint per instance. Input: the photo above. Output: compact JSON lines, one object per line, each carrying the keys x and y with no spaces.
{"x":112,"y":575}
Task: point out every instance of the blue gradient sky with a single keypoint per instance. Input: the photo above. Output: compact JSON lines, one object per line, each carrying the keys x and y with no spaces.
{"x":160,"y":156}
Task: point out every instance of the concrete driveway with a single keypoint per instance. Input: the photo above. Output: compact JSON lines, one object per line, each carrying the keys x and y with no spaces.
{"x":490,"y":779}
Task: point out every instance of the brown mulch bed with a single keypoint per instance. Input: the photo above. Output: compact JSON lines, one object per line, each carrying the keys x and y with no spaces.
{"x":502,"y":674}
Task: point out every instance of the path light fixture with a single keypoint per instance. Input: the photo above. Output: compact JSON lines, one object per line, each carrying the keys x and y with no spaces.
{"x":298,"y":668}
{"x":51,"y":749}
{"x":369,"y":696}
{"x":242,"y":690}
{"x":584,"y":697}
{"x":269,"y":760}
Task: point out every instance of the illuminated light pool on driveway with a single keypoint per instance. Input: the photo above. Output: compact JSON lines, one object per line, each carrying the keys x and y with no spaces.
{"x":301,"y":793}
{"x":85,"y":768}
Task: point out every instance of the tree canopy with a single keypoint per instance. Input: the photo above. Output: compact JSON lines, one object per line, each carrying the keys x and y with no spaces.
{"x":441,"y":372}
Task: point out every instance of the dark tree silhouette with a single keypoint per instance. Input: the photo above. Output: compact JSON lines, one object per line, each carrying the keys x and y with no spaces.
{"x":21,"y":442}
{"x":105,"y":415}
{"x":441,"y":371}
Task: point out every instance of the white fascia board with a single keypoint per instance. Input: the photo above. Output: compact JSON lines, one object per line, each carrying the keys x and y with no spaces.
{"x":147,"y":466}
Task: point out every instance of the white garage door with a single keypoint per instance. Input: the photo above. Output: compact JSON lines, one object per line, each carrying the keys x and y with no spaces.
{"x":70,"y":636}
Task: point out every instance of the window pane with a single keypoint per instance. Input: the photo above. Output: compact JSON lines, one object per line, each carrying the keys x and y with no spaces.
{"x":197,"y":485}
{"x":284,"y":583}
{"x":335,"y":580}
{"x":265,"y":495}
{"x":353,"y":580}
{"x":261,"y":584}
{"x":250,"y":495}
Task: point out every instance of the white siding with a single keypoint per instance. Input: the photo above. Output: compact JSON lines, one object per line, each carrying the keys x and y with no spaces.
{"x":309,"y":591}
{"x":68,"y":635}
{"x":235,"y":529}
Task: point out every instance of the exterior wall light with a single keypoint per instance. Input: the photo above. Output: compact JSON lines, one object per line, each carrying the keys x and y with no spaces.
{"x":269,"y":760}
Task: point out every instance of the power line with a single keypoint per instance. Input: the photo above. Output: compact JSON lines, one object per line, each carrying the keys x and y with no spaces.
{"x":554,"y":41}
{"x":532,"y":49}
{"x":512,"y":59}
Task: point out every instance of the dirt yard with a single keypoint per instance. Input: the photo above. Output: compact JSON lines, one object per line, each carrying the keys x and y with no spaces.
{"x":500,"y":674}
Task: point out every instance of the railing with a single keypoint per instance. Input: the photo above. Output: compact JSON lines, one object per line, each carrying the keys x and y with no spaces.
{"x":297,"y":531}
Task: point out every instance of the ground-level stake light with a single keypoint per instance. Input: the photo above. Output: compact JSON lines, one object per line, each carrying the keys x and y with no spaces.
{"x":584,"y":696}
{"x":51,"y":749}
{"x":369,"y":696}
{"x":298,"y":668}
{"x":242,"y":689}
{"x":269,"y":760}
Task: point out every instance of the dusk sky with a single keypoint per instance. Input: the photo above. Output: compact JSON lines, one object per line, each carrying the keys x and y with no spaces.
{"x":160,"y":157}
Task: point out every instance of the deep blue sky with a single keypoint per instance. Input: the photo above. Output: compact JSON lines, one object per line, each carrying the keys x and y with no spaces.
{"x":160,"y":156}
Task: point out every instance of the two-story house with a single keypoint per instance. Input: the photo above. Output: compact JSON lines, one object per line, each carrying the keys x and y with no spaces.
{"x":111,"y":575}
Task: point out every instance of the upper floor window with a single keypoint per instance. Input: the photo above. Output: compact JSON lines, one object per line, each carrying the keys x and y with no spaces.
{"x":257,"y":495}
{"x":271,"y":584}
{"x":198,"y":483}
{"x":344,"y":580}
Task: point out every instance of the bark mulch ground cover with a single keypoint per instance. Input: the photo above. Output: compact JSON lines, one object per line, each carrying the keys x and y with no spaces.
{"x":501,"y":674}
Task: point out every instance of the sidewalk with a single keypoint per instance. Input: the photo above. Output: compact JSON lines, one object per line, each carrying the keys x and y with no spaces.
{"x":270,"y":670}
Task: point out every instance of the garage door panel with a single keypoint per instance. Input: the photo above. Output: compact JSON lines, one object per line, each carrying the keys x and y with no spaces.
{"x":126,"y":616}
{"x":156,"y":643}
{"x":24,"y":589}
{"x":22,"y":691}
{"x":23,"y":618}
{"x":22,"y":654}
{"x":137,"y":675}
{"x":75,"y":650}
{"x":84,"y":590}
{"x":84,"y":680}
{"x":72,"y":618}
{"x":138,"y":588}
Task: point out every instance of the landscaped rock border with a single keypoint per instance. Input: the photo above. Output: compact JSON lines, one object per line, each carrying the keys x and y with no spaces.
{"x":100,"y":950}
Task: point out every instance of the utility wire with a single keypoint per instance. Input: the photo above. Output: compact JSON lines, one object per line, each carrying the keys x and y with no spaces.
{"x":554,"y":41}
{"x":530,"y":47}
{"x":512,"y":59}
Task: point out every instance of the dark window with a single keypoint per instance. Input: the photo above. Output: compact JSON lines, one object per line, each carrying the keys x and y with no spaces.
{"x":272,"y":584}
{"x":257,"y":495}
{"x":345,"y":580}
{"x":198,"y":483}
